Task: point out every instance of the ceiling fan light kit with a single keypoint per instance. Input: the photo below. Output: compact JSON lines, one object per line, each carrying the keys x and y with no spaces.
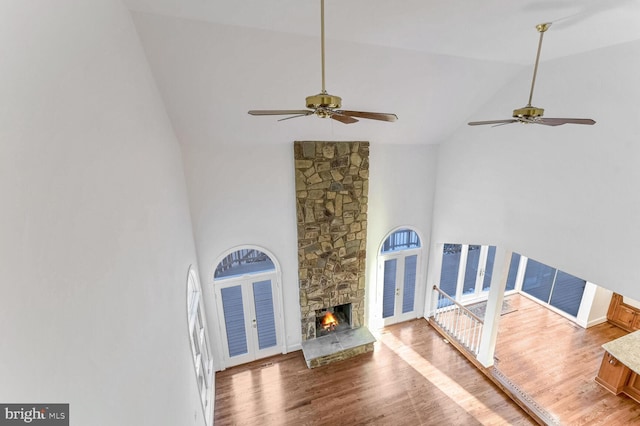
{"x":325,"y":105}
{"x":530,"y":114}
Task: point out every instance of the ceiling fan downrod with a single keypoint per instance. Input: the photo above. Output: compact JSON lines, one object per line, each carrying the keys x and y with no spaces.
{"x":324,"y":90}
{"x":541,"y":29}
{"x":323,"y":99}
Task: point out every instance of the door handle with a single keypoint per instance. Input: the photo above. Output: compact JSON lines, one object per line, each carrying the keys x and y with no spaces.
{"x":397,"y":291}
{"x":254,"y":323}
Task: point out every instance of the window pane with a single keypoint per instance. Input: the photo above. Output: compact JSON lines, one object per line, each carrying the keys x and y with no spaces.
{"x":567,"y":293}
{"x":242,"y":262}
{"x":450,"y":266}
{"x":389,"y":288}
{"x":195,"y":342}
{"x":471,"y":270}
{"x":193,"y":298}
{"x":488,"y":269}
{"x":513,"y":271}
{"x":538,"y":279}
{"x":402,"y":239}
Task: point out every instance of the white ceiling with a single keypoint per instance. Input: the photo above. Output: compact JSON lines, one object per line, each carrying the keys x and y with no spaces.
{"x":435,"y":63}
{"x":500,"y":30}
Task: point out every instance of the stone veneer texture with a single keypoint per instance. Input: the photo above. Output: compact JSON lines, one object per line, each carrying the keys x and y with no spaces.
{"x":332,"y":185}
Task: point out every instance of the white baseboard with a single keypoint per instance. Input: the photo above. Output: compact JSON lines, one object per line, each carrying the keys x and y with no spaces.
{"x":596,"y":321}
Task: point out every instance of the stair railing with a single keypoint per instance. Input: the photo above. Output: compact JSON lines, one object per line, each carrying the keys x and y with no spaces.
{"x":457,"y":321}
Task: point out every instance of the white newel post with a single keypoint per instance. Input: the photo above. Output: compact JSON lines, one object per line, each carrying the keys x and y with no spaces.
{"x":494,"y":307}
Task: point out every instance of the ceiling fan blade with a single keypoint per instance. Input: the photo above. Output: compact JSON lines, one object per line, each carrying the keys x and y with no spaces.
{"x":293,"y":116}
{"x":300,"y":112}
{"x":480,"y":123}
{"x":382,"y":116}
{"x":561,"y":121}
{"x":323,"y":104}
{"x":342,"y":118}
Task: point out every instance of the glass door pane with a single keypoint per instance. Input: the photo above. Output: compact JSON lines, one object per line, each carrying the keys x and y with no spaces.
{"x":450,"y":265}
{"x":409,"y":284}
{"x":234,"y":320}
{"x":471,"y":270}
{"x":389,"y":288}
{"x":488,"y":268}
{"x":265,"y":317}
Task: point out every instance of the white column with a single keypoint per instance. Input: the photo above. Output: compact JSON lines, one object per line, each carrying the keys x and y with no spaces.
{"x":433,"y":278}
{"x":494,"y":307}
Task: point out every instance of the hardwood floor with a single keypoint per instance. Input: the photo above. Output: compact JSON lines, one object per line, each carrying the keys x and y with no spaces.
{"x":555,"y":361}
{"x":412,"y":378}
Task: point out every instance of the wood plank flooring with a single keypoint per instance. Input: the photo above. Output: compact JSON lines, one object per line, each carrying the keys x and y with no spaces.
{"x":412,"y":378}
{"x":555,"y":361}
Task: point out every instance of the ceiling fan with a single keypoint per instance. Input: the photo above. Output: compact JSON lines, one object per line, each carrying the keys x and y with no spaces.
{"x":530,"y":114}
{"x":325,"y":105}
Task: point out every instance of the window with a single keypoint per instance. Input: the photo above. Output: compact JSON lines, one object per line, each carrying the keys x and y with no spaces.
{"x":200,"y":349}
{"x":553,"y":287}
{"x":404,"y":239}
{"x":243,"y":262}
{"x":513,"y":271}
{"x":538,"y":280}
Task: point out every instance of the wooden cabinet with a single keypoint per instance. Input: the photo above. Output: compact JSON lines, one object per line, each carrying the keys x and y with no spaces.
{"x":636,"y":323}
{"x":632,"y":388}
{"x":613,"y":374}
{"x":620,"y":366}
{"x":624,"y":316}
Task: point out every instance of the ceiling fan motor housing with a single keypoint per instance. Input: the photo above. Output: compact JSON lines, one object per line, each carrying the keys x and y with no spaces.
{"x":528,"y":112}
{"x":324,"y":100}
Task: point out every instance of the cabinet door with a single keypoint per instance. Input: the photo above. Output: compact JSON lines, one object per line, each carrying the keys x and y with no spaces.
{"x":633,"y":387}
{"x":613,"y":374}
{"x":625,"y":316}
{"x":636,"y":322}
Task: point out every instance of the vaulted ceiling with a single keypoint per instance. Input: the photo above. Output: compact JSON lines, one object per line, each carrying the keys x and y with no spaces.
{"x":499,"y":30}
{"x":435,"y":63}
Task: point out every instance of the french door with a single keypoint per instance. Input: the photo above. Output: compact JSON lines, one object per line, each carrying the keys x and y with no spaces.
{"x":399,"y":276}
{"x":467,"y":270}
{"x":478,"y":271}
{"x":248,"y":311}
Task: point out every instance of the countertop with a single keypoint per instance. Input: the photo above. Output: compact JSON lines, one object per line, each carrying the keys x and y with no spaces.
{"x":626,"y":349}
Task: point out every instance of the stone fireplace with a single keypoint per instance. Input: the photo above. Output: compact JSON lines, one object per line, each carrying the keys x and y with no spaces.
{"x":332,"y":184}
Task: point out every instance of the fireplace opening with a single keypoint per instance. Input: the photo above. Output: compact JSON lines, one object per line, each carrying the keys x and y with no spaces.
{"x":333,"y":319}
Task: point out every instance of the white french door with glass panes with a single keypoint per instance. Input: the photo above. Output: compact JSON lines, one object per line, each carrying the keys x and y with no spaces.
{"x":399,"y":272}
{"x":476,"y":277}
{"x":248,"y":312}
{"x":467,"y":270}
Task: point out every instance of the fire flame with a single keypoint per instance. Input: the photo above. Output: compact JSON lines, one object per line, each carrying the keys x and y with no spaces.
{"x":329,"y":321}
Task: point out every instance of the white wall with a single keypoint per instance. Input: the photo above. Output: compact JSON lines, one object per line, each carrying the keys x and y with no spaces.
{"x":245,"y":195}
{"x":95,"y":230}
{"x":566,"y":196}
{"x":401,"y":190}
{"x":239,"y":168}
